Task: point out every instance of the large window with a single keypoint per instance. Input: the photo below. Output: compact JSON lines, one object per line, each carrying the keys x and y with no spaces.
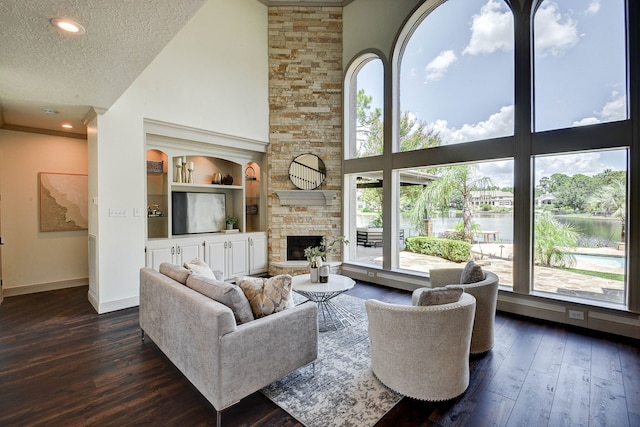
{"x":579,"y":56}
{"x":459,"y":87}
{"x":511,"y":134}
{"x":579,"y":225}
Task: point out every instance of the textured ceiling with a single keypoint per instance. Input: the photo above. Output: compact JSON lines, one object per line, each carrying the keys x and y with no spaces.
{"x":43,"y":68}
{"x":40,"y":67}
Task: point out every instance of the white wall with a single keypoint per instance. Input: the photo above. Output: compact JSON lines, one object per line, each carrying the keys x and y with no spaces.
{"x":373,"y":24}
{"x":33,"y":260}
{"x":213,"y":76}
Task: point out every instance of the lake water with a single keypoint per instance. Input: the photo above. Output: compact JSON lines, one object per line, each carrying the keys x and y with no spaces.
{"x":607,"y":230}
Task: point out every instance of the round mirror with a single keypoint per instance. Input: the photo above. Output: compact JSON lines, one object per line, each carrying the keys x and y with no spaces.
{"x":307,"y":172}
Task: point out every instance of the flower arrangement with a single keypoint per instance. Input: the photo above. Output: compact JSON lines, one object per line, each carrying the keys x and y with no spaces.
{"x":315,"y":254}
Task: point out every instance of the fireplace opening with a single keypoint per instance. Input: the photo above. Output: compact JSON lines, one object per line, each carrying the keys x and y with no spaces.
{"x":297,"y":244}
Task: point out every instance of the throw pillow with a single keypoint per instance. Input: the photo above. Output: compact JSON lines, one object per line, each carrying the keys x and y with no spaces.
{"x":266,"y":296}
{"x":225,"y":293}
{"x":438,"y":296}
{"x":176,"y":272}
{"x":471,"y":273}
{"x":199,"y":267}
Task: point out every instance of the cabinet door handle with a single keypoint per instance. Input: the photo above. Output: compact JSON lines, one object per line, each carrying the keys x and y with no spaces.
{"x":179,"y":250}
{"x":173,"y":250}
{"x":225,"y":245}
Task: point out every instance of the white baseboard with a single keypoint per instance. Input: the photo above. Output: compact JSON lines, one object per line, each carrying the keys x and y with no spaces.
{"x":109,"y":306}
{"x":44,"y":287}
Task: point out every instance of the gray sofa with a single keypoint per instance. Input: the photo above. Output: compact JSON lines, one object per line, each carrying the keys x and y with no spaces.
{"x":225,"y":361}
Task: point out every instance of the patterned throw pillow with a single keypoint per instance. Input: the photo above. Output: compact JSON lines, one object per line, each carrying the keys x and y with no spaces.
{"x":438,"y":296}
{"x":472,"y":273}
{"x":199,"y":267}
{"x":225,"y":293}
{"x":266,"y":296}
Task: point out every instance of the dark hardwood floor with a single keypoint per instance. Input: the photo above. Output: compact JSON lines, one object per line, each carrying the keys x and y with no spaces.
{"x":61,"y":364}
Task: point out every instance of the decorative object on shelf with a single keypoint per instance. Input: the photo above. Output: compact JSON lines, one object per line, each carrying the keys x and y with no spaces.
{"x":190,"y":173}
{"x":231,"y":220}
{"x":227,"y":179}
{"x":250,"y":174}
{"x":252,"y":209}
{"x":184,"y":169}
{"x":217,"y":178}
{"x":178,"y":177}
{"x":154,"y":211}
{"x":155,"y":166}
{"x":307,"y":172}
{"x":323,"y":273}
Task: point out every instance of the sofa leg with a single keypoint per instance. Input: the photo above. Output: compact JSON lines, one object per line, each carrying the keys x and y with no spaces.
{"x":141,"y":334}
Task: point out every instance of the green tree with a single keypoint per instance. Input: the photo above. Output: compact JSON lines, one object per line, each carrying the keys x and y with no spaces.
{"x":460,"y":181}
{"x":612,"y":200}
{"x":413,"y":135}
{"x":550,"y":236}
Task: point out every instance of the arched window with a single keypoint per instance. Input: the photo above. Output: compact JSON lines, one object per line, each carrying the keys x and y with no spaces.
{"x":456,"y":75}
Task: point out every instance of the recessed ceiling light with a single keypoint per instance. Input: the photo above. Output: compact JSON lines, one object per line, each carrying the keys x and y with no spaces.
{"x":50,"y":111}
{"x":67,"y":126}
{"x":67,"y":25}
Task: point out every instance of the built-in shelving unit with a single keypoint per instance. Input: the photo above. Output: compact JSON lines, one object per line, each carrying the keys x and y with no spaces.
{"x":231,"y":170}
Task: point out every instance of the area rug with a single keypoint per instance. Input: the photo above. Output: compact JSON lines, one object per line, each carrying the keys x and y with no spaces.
{"x":343,"y":391}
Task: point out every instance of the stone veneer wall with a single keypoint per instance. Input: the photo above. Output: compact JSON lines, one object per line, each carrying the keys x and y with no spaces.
{"x":305,"y":104}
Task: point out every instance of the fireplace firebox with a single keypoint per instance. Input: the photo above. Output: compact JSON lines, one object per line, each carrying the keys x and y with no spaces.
{"x":297,"y":244}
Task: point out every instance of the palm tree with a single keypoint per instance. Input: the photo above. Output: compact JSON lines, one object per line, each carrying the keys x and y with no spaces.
{"x":611,"y":199}
{"x":459,"y":180}
{"x":550,"y":235}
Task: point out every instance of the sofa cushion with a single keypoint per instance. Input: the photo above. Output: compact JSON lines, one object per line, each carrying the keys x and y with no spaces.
{"x":438,"y":296}
{"x":225,"y":293}
{"x":471,"y":273}
{"x":176,"y":272}
{"x":266,"y":295}
{"x":199,"y":267}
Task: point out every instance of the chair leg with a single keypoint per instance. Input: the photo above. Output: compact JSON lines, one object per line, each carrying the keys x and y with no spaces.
{"x":218,"y":418}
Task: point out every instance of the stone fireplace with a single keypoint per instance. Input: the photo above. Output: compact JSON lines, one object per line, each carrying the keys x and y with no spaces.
{"x":305,"y":116}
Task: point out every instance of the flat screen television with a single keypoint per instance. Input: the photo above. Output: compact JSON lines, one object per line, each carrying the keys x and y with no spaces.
{"x":197,"y":212}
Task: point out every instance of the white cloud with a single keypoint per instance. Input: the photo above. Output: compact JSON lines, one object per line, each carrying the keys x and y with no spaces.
{"x":586,"y":121}
{"x":497,"y":125}
{"x":594,"y":7}
{"x":437,"y":68}
{"x":554,"y":33}
{"x":491,"y":29}
{"x":615,"y":109}
{"x":585,"y":163}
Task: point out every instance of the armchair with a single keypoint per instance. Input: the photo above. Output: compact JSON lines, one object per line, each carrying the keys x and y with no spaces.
{"x":486,"y":294}
{"x":422,"y":351}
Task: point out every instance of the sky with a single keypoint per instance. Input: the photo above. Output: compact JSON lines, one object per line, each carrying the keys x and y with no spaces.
{"x":461,"y":85}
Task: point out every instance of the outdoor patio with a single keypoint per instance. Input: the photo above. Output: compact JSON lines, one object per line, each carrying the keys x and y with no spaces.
{"x":497,"y":258}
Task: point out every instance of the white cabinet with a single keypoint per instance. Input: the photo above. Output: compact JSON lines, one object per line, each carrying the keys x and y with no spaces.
{"x":173,"y":251}
{"x":258,"y":253}
{"x":229,"y":254}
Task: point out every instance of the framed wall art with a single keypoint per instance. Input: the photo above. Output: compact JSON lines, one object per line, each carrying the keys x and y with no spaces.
{"x":63,"y":200}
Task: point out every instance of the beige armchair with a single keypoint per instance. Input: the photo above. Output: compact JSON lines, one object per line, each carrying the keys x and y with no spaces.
{"x":486,"y":293}
{"x":422,"y":351}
